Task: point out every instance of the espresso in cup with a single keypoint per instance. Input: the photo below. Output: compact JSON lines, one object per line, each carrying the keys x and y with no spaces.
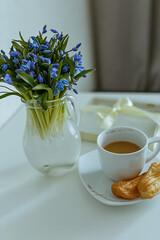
{"x":122,"y":147}
{"x":127,"y":163}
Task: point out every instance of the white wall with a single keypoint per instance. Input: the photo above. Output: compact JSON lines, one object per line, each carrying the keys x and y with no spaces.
{"x":69,"y":16}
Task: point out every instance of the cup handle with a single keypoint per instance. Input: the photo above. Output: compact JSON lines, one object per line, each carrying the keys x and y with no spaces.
{"x":156,"y":150}
{"x":74,"y":109}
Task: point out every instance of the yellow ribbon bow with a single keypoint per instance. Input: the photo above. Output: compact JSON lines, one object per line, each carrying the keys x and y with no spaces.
{"x":107,"y":115}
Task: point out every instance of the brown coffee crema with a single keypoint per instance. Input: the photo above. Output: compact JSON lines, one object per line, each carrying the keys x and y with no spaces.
{"x":122,"y":147}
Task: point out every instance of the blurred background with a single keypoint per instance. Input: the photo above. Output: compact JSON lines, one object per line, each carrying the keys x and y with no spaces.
{"x":120,"y":38}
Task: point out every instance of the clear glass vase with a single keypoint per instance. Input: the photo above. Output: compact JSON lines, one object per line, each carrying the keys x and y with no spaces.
{"x":51,"y":139}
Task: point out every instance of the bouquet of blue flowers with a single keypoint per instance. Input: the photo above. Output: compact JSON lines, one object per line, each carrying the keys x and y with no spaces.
{"x":41,"y":70}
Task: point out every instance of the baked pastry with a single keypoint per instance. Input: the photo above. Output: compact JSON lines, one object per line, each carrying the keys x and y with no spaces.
{"x":127,"y":189}
{"x":149,"y":184}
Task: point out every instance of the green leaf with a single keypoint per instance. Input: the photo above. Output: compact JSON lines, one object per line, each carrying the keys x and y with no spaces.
{"x":17,"y":46}
{"x":81,"y":74}
{"x":21,"y":36}
{"x":6,"y":94}
{"x":71,"y":65}
{"x":27,"y":78}
{"x":2,"y":60}
{"x":65,"y":44}
{"x":45,"y":87}
{"x":59,"y":70}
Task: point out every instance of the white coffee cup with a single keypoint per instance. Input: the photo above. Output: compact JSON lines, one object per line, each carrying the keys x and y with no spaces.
{"x":124,"y":166}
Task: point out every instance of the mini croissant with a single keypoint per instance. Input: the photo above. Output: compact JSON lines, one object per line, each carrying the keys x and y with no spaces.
{"x":149,"y":184}
{"x":127,"y":189}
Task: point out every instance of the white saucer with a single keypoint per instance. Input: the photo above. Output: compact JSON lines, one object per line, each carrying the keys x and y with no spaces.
{"x":98,"y":184}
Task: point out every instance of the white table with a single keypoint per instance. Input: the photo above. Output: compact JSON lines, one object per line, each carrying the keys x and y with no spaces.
{"x":37,"y":207}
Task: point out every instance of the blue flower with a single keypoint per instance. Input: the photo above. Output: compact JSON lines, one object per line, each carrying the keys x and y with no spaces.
{"x":57,"y":35}
{"x":44,"y":29}
{"x":53,"y":72}
{"x":42,"y":59}
{"x":7,"y":79}
{"x":61,"y":52}
{"x":65,"y":82}
{"x":47,"y":43}
{"x":60,"y":86}
{"x":61,"y":37}
{"x":55,"y":65}
{"x":35,"y":46}
{"x":32,"y":55}
{"x":40,"y":78}
{"x":32,"y":74}
{"x":56,"y":91}
{"x":65,"y":68}
{"x":32,"y":65}
{"x":77,"y":57}
{"x":54,"y":75}
{"x":47,"y":60}
{"x":33,"y":37}
{"x":53,"y":69}
{"x":43,"y":47}
{"x":15,"y":61}
{"x":46,"y":51}
{"x":24,"y":68}
{"x":14,"y":54}
{"x":24,"y":61}
{"x":30,"y":44}
{"x":4,"y":67}
{"x":54,"y":31}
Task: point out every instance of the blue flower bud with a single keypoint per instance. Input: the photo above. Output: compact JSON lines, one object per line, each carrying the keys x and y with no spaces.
{"x":65,"y":82}
{"x":75,"y":49}
{"x":44,"y":29}
{"x":3,"y":52}
{"x":24,"y":61}
{"x":61,"y":52}
{"x":42,"y":59}
{"x":40,"y":78}
{"x":57,"y":35}
{"x":54,"y":31}
{"x":55,"y":64}
{"x":33,"y":37}
{"x":47,"y":51}
{"x":4,"y":67}
{"x":43,"y":47}
{"x":78,"y":45}
{"x":74,"y":90}
{"x":56,"y":91}
{"x":14,"y":54}
{"x":69,"y":87}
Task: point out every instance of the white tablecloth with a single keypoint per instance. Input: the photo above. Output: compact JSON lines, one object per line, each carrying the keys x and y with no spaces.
{"x":37,"y":207}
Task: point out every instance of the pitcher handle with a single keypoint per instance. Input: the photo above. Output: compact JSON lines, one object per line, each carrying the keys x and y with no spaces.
{"x":75,"y":109}
{"x":156,"y":150}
